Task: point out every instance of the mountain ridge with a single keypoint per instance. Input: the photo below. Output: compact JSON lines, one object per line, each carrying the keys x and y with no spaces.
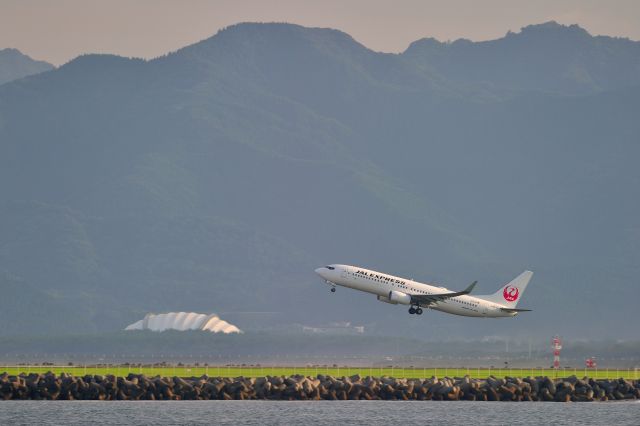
{"x":576,"y":62}
{"x":15,"y":65}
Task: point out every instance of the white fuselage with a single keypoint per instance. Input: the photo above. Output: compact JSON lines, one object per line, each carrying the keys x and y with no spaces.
{"x":381,"y":284}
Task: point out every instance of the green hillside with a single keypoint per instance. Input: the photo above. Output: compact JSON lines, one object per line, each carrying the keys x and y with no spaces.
{"x":216,"y":178}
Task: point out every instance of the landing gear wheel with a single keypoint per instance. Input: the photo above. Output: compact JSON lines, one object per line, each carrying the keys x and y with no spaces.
{"x":419,"y":311}
{"x":412,"y":310}
{"x":333,"y":289}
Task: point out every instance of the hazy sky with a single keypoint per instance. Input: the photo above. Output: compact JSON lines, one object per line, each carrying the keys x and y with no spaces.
{"x":59,"y":30}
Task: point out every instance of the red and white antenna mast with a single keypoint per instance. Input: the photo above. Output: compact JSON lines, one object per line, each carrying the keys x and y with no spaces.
{"x":557,"y":345}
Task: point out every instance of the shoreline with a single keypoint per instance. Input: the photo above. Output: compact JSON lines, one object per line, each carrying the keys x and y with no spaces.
{"x":50,"y":386}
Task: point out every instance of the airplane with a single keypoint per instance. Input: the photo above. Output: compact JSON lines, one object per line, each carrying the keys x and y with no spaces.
{"x":396,"y":290}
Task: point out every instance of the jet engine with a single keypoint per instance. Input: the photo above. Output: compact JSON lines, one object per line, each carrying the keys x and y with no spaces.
{"x":385,"y":299}
{"x":396,"y":297}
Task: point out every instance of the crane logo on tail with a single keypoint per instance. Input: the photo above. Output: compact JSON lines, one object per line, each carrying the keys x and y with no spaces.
{"x":510,"y":293}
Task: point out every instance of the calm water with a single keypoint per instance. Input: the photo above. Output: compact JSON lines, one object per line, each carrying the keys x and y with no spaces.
{"x":315,"y":412}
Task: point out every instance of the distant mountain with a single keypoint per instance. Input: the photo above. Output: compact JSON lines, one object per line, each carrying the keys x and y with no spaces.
{"x":548,"y":57}
{"x":15,"y":65}
{"x":216,"y":178}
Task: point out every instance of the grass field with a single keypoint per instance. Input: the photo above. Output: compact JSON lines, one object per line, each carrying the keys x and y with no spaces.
{"x":251,"y":371}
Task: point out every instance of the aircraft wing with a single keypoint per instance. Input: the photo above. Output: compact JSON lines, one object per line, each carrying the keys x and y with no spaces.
{"x":428,"y":299}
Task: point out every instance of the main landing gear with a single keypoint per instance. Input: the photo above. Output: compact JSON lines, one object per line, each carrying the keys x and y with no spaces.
{"x":333,"y":289}
{"x":417,"y":310}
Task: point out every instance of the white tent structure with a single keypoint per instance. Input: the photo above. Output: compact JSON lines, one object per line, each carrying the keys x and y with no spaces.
{"x":184,"y":321}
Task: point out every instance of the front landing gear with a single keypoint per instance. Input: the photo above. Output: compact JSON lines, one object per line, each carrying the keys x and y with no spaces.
{"x":333,"y":289}
{"x":417,"y":310}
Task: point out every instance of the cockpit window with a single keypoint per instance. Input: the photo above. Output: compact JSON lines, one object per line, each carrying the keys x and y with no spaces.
{"x":331,"y":268}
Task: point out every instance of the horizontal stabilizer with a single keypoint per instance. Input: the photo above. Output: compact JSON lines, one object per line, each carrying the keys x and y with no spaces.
{"x":512,"y":310}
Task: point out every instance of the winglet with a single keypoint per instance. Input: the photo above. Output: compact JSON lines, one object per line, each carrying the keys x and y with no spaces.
{"x":470,"y":288}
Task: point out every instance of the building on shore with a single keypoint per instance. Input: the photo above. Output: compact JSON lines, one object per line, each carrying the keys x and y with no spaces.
{"x":335,"y":328}
{"x":182,"y":321}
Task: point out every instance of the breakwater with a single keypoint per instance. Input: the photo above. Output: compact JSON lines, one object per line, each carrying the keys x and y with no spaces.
{"x":139,"y":387}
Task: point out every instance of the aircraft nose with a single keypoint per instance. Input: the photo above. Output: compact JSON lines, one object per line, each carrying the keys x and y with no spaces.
{"x":326,"y":272}
{"x":323,"y":272}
